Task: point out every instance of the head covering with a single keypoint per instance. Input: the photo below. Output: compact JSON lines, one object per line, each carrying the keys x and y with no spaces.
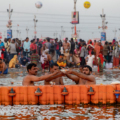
{"x":89,"y":41}
{"x":47,"y":50}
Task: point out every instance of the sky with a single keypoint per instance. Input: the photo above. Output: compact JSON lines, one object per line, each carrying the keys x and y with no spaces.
{"x":57,"y":13}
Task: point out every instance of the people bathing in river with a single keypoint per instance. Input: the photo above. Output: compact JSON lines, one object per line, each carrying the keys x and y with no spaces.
{"x":3,"y":67}
{"x":90,"y":58}
{"x":110,"y":52}
{"x":31,"y":77}
{"x":54,"y":77}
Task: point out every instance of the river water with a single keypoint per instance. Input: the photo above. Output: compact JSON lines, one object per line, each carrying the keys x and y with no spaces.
{"x":15,"y":77}
{"x":59,"y":112}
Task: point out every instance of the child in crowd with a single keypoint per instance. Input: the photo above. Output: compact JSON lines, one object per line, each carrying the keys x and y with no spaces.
{"x":49,"y":58}
{"x":34,"y":57}
{"x":62,"y":61}
{"x":76,"y":56}
{"x":70,"y":60}
{"x":90,"y":58}
{"x":45,"y":58}
{"x":23,"y":60}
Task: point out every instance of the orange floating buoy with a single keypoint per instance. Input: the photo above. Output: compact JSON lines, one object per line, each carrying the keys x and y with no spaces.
{"x":59,"y":94}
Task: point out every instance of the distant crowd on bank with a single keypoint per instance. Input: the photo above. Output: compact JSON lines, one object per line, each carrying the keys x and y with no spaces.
{"x":66,"y":53}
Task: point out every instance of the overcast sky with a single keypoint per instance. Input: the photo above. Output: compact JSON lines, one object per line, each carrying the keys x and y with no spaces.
{"x":57,"y":13}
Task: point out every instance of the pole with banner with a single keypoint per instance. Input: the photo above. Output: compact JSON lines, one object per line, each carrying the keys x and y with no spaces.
{"x":75,"y":19}
{"x":9,"y":33}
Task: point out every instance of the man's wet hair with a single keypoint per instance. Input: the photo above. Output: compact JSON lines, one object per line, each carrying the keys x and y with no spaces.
{"x":53,"y":64}
{"x":87,"y":66}
{"x":30,"y":66}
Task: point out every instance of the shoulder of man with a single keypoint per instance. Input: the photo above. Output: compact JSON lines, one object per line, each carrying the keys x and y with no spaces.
{"x":92,"y":76}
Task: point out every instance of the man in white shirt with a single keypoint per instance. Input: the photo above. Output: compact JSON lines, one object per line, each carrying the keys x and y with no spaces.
{"x":26,"y":47}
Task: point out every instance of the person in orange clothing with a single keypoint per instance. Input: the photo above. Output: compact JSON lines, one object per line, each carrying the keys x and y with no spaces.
{"x":101,"y":48}
{"x":97,"y":48}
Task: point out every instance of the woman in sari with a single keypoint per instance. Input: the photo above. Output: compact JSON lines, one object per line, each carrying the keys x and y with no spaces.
{"x":100,"y":62}
{"x":97,"y":49}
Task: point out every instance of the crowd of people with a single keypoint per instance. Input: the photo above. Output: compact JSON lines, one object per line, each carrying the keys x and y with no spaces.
{"x":63,"y":54}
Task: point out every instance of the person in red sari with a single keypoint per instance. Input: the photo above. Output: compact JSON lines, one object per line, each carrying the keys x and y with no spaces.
{"x":2,"y":53}
{"x":101,"y":48}
{"x":100,"y":62}
{"x":90,"y":47}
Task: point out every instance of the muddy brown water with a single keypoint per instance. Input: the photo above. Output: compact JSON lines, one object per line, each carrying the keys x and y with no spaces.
{"x":59,"y":112}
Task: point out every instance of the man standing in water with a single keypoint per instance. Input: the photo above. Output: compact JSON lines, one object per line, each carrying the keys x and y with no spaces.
{"x":31,"y":77}
{"x":57,"y":79}
{"x":66,"y":45}
{"x":84,"y":78}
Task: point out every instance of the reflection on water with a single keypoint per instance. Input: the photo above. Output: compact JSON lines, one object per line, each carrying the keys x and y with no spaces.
{"x":58,"y":112}
{"x":15,"y":77}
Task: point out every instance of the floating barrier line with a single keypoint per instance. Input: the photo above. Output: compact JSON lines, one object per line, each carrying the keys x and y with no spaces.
{"x":56,"y":94}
